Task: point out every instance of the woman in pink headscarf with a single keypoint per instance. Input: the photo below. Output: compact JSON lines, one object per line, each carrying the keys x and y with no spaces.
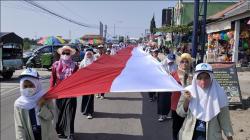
{"x":66,"y":107}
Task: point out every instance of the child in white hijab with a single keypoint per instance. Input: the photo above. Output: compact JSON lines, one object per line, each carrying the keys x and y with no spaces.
{"x":32,"y":114}
{"x":205,"y":106}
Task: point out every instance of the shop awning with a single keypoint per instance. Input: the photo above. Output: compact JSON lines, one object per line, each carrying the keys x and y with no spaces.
{"x":224,"y":18}
{"x":218,"y":26}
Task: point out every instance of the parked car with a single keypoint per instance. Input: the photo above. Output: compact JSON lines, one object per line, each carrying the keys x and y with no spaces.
{"x":26,"y":56}
{"x":51,"y":50}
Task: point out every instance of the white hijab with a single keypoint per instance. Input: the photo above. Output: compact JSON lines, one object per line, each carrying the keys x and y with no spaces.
{"x":87,"y":61}
{"x":30,"y":102}
{"x":206,"y":104}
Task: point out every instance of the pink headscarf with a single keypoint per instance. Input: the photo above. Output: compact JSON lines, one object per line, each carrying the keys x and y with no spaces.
{"x":64,"y":68}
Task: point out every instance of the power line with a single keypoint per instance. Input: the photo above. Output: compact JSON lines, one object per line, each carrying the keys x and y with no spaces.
{"x":69,"y":10}
{"x":59,"y":16}
{"x":23,"y":8}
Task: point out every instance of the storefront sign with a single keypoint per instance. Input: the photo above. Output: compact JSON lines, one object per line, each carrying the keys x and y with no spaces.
{"x":226,"y":75}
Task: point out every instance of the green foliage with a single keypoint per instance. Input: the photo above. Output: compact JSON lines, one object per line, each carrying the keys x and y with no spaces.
{"x":28,"y":42}
{"x":175,"y":29}
{"x":26,"y":45}
{"x":152,"y":26}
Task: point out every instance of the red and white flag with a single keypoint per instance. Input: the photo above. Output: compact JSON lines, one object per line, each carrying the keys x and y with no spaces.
{"x":130,"y":70}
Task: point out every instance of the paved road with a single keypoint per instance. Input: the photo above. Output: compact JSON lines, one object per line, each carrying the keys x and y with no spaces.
{"x":120,"y":116}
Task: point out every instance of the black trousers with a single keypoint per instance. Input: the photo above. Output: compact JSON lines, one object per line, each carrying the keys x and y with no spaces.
{"x":163,"y":103}
{"x":177,"y":124}
{"x":66,"y":115}
{"x":87,"y":106}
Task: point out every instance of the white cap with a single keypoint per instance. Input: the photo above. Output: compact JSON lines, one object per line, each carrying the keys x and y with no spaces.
{"x":203,"y":67}
{"x":30,"y":72}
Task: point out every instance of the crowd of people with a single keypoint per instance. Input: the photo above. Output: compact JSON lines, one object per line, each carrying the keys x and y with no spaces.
{"x":198,"y":113}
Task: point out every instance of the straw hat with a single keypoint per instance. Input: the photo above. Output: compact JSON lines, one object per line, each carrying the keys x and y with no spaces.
{"x":186,"y":56}
{"x":72,"y":51}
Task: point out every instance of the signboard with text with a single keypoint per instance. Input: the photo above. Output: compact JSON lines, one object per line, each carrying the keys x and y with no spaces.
{"x":226,"y":75}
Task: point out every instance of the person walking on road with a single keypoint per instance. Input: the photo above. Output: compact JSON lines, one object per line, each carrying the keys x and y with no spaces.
{"x":33,"y":114}
{"x":87,"y":107}
{"x":183,"y":76}
{"x":164,"y":98}
{"x":101,"y":51}
{"x":154,"y":53}
{"x":66,"y":107}
{"x":205,"y":108}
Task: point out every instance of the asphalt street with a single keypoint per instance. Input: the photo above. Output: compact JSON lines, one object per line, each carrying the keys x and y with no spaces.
{"x":120,"y":116}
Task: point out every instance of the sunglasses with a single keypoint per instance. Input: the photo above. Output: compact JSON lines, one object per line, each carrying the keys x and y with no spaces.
{"x":185,"y":62}
{"x":65,"y":53}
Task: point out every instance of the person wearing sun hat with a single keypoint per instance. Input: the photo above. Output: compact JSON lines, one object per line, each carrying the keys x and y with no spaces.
{"x":66,"y":107}
{"x":183,"y":76}
{"x":204,"y":105}
{"x":33,"y":114}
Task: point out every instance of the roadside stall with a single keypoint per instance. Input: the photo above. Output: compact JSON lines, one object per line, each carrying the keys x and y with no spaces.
{"x":229,"y":35}
{"x":92,"y":39}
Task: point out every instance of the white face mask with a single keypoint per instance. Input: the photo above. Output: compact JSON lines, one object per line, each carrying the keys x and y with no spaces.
{"x":28,"y":92}
{"x":65,"y":57}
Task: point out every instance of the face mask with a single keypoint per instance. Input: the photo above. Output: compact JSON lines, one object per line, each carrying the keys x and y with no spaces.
{"x":28,"y":92}
{"x":65,"y":57}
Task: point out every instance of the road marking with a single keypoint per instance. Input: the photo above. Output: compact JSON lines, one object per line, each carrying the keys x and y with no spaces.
{"x":4,"y":93}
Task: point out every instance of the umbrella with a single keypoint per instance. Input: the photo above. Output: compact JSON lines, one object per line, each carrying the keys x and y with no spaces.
{"x":51,"y":40}
{"x":77,"y":41}
{"x":41,"y":40}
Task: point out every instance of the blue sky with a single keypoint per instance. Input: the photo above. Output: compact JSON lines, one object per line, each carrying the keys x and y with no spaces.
{"x":129,"y":17}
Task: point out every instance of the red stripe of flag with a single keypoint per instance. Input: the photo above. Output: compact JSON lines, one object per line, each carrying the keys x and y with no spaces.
{"x":95,"y":78}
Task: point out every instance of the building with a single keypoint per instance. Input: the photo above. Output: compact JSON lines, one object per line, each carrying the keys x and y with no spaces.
{"x":184,"y":11}
{"x":230,"y":29}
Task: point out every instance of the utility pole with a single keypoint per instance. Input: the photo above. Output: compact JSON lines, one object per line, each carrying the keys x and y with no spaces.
{"x":101,"y":29}
{"x":114,"y":30}
{"x":105,"y":31}
{"x":203,"y":30}
{"x":195,"y":28}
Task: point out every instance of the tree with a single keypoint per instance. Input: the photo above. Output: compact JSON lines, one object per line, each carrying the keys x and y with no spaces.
{"x":152,"y":25}
{"x":27,"y":43}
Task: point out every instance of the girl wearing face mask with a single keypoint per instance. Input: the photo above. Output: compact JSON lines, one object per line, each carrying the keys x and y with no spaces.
{"x":66,"y":107}
{"x":32,"y":114}
{"x":205,"y":108}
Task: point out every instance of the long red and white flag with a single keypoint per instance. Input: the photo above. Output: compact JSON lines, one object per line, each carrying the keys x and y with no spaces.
{"x":130,"y":70}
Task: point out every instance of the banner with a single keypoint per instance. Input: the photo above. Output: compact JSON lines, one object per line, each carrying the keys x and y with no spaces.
{"x":226,"y":74}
